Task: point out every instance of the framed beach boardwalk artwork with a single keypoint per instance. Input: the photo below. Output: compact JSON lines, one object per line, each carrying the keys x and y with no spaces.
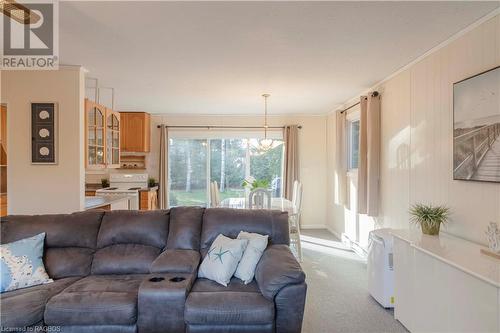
{"x":476,"y":127}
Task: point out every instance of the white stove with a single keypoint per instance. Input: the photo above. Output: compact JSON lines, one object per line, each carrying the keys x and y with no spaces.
{"x":128,"y":184}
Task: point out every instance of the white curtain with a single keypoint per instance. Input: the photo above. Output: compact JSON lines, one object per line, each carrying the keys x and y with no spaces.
{"x":163,"y":188}
{"x":369,"y":155}
{"x":340,"y":159}
{"x":291,"y":136}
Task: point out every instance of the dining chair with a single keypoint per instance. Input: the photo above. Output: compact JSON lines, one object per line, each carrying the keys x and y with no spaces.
{"x":294,"y":218}
{"x":214,"y":194}
{"x":259,"y":198}
{"x":295,"y":196}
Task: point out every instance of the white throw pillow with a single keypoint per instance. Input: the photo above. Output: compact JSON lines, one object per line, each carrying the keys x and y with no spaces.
{"x":257,"y":243}
{"x":222,"y":259}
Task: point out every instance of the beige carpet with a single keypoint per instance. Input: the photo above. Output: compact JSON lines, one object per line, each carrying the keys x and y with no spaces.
{"x":337,"y":298}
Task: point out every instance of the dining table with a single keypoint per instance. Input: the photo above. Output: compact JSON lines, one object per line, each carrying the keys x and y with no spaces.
{"x":282,"y":204}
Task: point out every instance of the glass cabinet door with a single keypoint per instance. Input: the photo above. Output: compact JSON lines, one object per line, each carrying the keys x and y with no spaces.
{"x":95,"y":135}
{"x":113,"y":139}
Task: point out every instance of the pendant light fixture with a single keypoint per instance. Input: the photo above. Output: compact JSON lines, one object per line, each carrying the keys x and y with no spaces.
{"x":266,"y":143}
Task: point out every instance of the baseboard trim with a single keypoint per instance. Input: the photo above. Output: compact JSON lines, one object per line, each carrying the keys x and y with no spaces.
{"x":360,"y":251}
{"x":344,"y":238}
{"x":334,"y":232}
{"x":355,"y":246}
{"x":313,"y":226}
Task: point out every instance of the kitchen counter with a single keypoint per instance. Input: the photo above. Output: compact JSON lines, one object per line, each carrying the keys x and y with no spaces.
{"x":102,"y":202}
{"x":147,"y":189}
{"x":92,"y":186}
{"x":95,"y":186}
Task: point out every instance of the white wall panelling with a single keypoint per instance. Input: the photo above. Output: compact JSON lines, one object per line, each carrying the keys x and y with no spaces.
{"x":417,"y":139}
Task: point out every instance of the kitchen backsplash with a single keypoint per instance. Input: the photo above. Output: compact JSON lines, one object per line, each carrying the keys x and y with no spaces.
{"x":95,"y":176}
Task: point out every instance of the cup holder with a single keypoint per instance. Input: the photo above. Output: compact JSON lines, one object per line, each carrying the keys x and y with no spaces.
{"x":177,"y":279}
{"x":156,"y":279}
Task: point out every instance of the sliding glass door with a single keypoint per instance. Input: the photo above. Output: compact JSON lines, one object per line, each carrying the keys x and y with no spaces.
{"x":187,"y":174}
{"x":267,"y":164}
{"x":194,"y":163}
{"x":228,"y":166}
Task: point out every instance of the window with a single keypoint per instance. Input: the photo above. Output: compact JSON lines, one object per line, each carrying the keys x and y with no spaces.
{"x":353,"y":144}
{"x":194,"y":163}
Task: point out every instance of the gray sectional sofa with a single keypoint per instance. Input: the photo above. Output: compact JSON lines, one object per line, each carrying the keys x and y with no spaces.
{"x":130,"y":271}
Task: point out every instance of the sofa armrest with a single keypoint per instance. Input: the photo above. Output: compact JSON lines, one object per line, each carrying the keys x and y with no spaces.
{"x":161,"y":301}
{"x":290,"y":303}
{"x":277,"y":269}
{"x":176,"y":261}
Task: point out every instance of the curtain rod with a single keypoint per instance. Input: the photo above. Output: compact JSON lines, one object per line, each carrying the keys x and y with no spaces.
{"x":374,"y":94}
{"x":234,"y":127}
{"x":350,"y":107}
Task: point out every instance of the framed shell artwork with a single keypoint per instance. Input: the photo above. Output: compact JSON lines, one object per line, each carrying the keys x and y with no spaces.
{"x":43,"y":133}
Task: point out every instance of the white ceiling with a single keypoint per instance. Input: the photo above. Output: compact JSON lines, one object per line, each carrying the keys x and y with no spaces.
{"x":219,"y":57}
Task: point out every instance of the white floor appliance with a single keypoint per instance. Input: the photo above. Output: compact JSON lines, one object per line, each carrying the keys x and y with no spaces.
{"x":127,"y":184}
{"x":380,"y":267}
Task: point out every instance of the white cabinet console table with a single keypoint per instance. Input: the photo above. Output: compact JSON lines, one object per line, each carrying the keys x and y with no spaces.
{"x":444,"y":284}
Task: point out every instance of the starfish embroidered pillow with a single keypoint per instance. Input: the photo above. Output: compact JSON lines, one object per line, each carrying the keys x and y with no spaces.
{"x":222,"y":259}
{"x":22,"y":265}
{"x":257,"y":243}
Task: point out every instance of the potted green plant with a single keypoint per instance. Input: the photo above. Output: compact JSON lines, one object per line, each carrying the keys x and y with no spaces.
{"x":253,"y":184}
{"x":104,"y":182}
{"x":429,"y":217}
{"x":151,"y":182}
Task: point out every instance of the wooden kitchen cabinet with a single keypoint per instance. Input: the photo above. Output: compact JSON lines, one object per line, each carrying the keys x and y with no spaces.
{"x":148,"y":200}
{"x":3,"y":204}
{"x":135,"y":132}
{"x":102,"y":136}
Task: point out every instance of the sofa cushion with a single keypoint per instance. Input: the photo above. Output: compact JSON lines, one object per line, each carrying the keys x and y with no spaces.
{"x":176,"y":261}
{"x":96,"y":300}
{"x":62,"y":230}
{"x":70,"y":239}
{"x":92,"y":329}
{"x":266,"y":328}
{"x":124,"y":258}
{"x":63,"y":262}
{"x":236,"y":285}
{"x":134,"y":227}
{"x":25,"y":307}
{"x":238,"y":304}
{"x":129,"y":241}
{"x":185,"y":228}
{"x":230,"y":222}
